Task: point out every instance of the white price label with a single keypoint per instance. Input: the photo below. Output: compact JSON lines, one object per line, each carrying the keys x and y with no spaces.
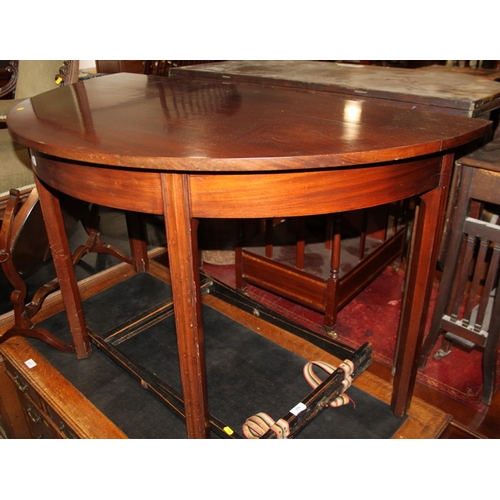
{"x":30,"y":363}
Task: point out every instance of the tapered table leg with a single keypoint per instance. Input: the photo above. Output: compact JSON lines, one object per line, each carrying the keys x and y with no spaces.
{"x":59,"y":246}
{"x":184,"y":272}
{"x":416,"y":299}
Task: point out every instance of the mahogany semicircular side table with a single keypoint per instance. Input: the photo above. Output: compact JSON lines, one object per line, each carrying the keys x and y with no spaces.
{"x":194,"y":149}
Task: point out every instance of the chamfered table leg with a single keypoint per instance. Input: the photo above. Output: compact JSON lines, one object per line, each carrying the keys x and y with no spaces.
{"x":137,"y":239}
{"x":184,"y":272}
{"x":416,"y":298}
{"x":61,"y":254}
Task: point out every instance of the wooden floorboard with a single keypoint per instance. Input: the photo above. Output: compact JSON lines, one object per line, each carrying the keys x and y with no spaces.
{"x":467,"y":422}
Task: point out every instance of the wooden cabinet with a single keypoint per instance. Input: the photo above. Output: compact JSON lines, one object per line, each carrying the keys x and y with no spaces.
{"x":36,"y":401}
{"x":43,"y":421}
{"x":120,"y":66}
{"x":13,"y":424}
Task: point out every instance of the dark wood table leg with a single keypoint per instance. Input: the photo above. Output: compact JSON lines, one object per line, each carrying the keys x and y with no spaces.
{"x":182,"y":251}
{"x":63,"y":265}
{"x":421,"y":267}
{"x":137,"y":238}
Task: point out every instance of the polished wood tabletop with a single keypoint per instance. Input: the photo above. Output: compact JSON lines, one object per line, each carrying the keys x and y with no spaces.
{"x":223,"y":126}
{"x":192,"y":149}
{"x":449,"y":92}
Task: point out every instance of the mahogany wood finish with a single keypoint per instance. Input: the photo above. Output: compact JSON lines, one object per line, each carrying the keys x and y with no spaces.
{"x":116,"y":66}
{"x":428,"y":88}
{"x":174,"y":147}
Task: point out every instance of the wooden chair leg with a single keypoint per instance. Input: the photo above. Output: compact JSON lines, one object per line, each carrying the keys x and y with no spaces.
{"x":445,"y":348}
{"x":95,"y":240}
{"x":491,"y":353}
{"x":9,"y":234}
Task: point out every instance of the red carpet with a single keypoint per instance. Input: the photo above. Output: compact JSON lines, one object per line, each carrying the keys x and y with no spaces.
{"x":373,"y":316}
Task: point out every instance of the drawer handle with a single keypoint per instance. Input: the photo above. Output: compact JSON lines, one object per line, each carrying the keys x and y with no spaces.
{"x":22,"y":386}
{"x":33,"y":415}
{"x":66,"y":432}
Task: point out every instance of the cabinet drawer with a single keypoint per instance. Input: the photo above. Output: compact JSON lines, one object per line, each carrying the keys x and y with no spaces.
{"x":39,"y":424}
{"x":62,"y":427}
{"x":43,"y":421}
{"x":19,"y":381}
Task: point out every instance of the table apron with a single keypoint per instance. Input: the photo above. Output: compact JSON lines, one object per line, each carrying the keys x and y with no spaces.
{"x":288,"y":194}
{"x":245,"y":195}
{"x":122,"y":188}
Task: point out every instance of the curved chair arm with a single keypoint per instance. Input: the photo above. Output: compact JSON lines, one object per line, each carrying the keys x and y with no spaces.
{"x":7,"y":104}
{"x":13,"y":69}
{"x":68,"y":73}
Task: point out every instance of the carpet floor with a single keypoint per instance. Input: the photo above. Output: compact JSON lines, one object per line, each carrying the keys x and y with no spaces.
{"x":373,"y":316}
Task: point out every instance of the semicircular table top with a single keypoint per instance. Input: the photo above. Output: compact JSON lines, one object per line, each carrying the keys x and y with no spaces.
{"x":151,"y":122}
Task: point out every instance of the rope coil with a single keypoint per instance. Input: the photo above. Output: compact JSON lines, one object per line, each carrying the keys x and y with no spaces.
{"x":313,"y":380}
{"x":257,"y":425}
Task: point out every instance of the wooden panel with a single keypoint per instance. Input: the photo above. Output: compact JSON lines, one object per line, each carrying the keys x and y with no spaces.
{"x":116,"y":66}
{"x":10,"y":407}
{"x":328,"y":191}
{"x":112,"y":187}
{"x":284,"y":280}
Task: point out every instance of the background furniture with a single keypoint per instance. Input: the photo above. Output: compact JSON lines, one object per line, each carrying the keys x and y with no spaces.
{"x":27,"y":78}
{"x":162,"y":68}
{"x":323,"y":262}
{"x":424,"y":88}
{"x":128,"y":66}
{"x":23,"y":239}
{"x":159,"y":68}
{"x":468,"y":303}
{"x":37,"y":401}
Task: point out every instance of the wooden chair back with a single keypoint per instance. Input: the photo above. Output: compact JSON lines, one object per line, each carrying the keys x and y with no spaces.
{"x":468,"y":304}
